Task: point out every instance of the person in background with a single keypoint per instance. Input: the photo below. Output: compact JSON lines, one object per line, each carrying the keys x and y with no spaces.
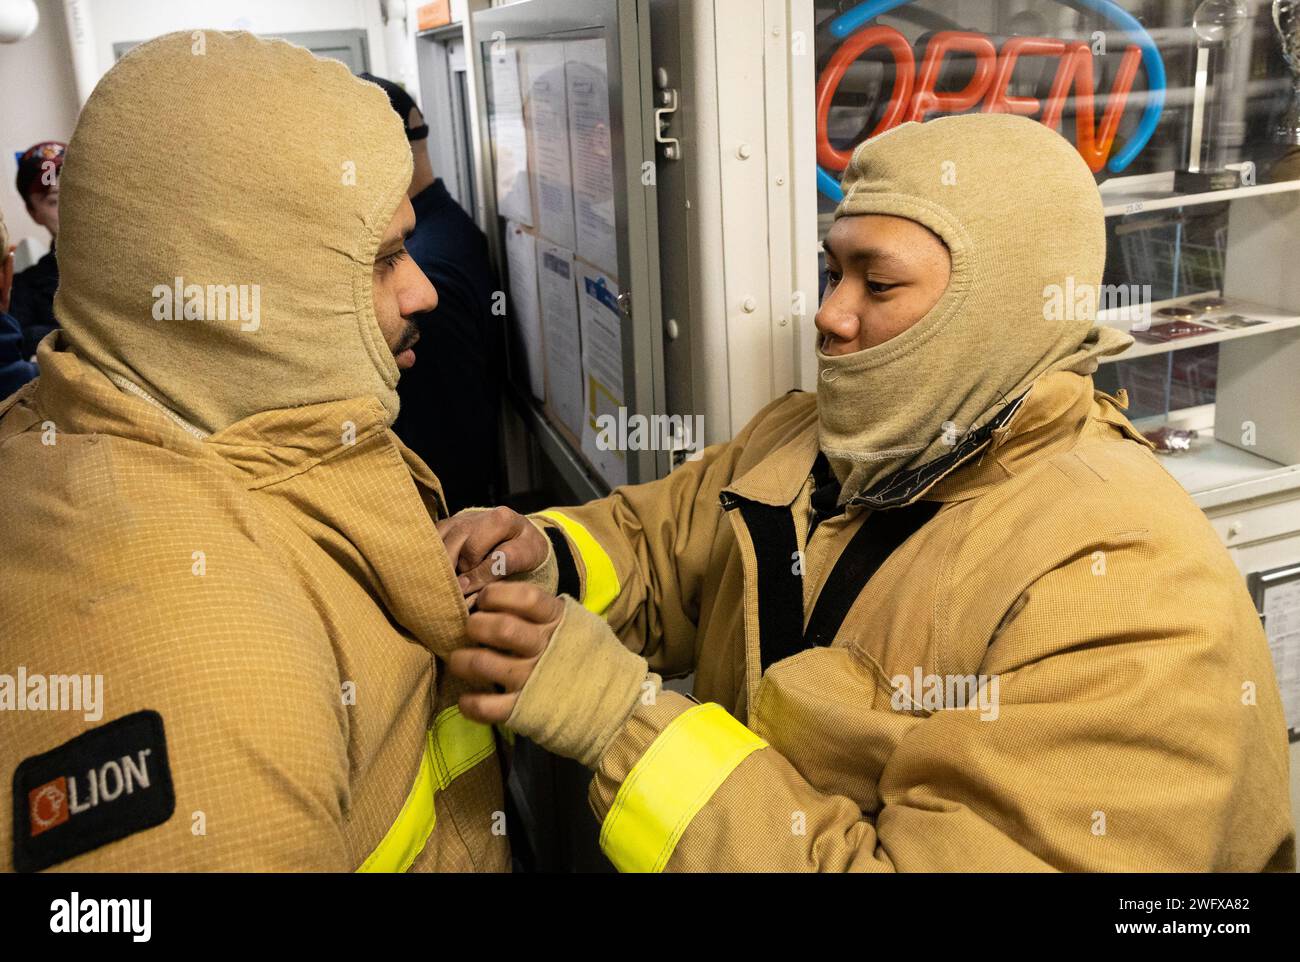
{"x":15,"y":369}
{"x":450,"y":401}
{"x":32,"y":302}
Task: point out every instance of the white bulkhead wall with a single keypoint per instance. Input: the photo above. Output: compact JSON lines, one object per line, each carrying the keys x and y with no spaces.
{"x":747,"y":126}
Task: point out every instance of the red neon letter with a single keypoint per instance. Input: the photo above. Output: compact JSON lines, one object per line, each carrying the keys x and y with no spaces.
{"x":828,"y":83}
{"x":986,"y":55}
{"x":999,"y":102}
{"x":1092,"y":143}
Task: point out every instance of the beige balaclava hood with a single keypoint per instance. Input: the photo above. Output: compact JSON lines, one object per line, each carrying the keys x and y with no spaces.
{"x":1023,"y":222}
{"x":261,"y":176}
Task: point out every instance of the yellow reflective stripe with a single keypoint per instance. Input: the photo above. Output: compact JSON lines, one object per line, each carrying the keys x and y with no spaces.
{"x":670,"y":783}
{"x":458,"y":745}
{"x":452,"y":746}
{"x":602,"y":580}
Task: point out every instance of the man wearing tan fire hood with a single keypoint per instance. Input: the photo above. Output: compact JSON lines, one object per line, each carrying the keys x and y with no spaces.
{"x":947,"y":614}
{"x":225,"y":609}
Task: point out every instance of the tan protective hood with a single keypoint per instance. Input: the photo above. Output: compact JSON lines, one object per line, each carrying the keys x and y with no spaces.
{"x":255,"y":180}
{"x":1023,"y":222}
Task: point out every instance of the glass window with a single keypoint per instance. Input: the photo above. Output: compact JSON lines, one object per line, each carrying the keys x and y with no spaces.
{"x":1205,"y":95}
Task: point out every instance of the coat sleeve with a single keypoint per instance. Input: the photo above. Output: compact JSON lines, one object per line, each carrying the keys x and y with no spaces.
{"x":639,"y":557}
{"x":1118,"y":741}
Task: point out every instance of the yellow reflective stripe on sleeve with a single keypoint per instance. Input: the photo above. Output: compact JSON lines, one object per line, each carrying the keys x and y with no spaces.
{"x":452,"y":747}
{"x":671,"y":782}
{"x":602,"y":585}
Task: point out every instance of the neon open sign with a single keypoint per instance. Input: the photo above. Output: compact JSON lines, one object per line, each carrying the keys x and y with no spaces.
{"x":915,"y":96}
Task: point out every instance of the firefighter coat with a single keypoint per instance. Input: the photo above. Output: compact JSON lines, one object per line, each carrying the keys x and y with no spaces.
{"x":266,"y":609}
{"x":1031,"y":654}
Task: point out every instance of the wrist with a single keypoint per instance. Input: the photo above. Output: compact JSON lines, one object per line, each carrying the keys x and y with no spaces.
{"x":547,"y":574}
{"x":582,"y":689}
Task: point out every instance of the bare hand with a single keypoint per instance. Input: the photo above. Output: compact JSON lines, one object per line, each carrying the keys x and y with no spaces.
{"x":486,"y":546}
{"x":513,"y":625}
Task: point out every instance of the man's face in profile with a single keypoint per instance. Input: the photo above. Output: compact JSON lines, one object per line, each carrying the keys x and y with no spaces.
{"x":884,"y":273}
{"x":401,"y":289}
{"x":44,"y":209}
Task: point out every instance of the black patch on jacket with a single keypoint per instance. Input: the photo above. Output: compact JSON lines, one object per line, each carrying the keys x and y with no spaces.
{"x":103,"y":785}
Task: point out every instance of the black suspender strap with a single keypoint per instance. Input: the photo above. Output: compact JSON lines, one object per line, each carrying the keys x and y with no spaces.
{"x":780,"y":580}
{"x":879,"y":536}
{"x":780,"y":572}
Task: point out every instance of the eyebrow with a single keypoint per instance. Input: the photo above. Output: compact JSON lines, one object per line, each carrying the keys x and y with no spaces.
{"x":875,"y":255}
{"x":402,"y":242}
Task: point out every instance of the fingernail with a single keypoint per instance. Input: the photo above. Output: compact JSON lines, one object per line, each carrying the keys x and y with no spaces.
{"x":463,"y":581}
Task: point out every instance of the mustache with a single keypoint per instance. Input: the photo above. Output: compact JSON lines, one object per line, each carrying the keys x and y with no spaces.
{"x":410,"y":335}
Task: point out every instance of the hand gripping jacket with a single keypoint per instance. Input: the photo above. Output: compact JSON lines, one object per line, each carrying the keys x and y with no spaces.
{"x":1033,"y":656}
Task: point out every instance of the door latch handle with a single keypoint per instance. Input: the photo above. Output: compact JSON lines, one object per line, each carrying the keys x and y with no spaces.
{"x":672,"y":146}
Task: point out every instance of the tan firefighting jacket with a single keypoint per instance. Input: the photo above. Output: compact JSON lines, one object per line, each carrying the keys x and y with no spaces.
{"x":266,"y":610}
{"x":1036,"y":656}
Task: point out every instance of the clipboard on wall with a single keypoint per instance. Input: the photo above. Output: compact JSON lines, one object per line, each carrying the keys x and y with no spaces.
{"x":1276,"y":593}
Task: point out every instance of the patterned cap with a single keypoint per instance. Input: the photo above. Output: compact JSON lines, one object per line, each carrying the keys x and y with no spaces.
{"x":39,"y":167}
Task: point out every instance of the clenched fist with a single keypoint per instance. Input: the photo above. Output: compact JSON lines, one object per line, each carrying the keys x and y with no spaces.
{"x":512,"y":626}
{"x":486,"y":546}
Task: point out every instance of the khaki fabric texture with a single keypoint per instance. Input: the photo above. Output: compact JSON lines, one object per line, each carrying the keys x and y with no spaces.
{"x":1019,"y":212}
{"x":597,"y":680}
{"x":1065,"y":561}
{"x":321,"y":567}
{"x":238,"y":163}
{"x":275,"y":587}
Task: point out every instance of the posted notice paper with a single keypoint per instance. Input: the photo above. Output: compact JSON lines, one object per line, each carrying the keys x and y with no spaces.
{"x":510,"y":140}
{"x":559,"y":297}
{"x":593,"y":158}
{"x":548,"y":129}
{"x":602,"y":365}
{"x":1282,"y":624}
{"x":525,"y":312}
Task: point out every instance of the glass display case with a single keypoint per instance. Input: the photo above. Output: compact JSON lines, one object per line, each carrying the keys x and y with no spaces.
{"x":1186,"y":111}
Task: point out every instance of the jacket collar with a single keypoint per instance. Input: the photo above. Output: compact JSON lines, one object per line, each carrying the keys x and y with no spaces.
{"x":374,"y":513}
{"x":78,"y":398}
{"x":1047,"y":417}
{"x":265,"y":447}
{"x":430,"y":200}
